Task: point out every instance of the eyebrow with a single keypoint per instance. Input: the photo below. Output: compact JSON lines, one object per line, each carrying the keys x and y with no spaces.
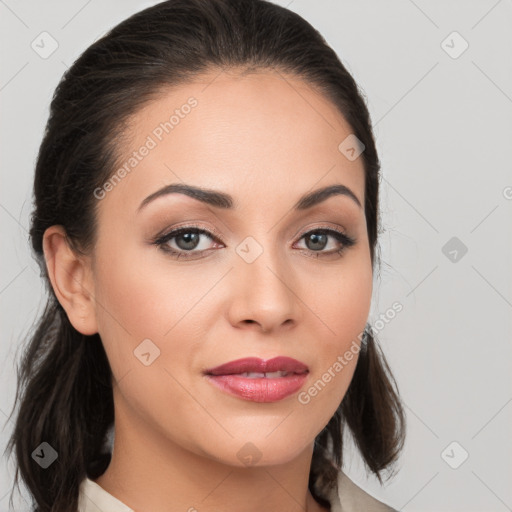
{"x":225,"y":201}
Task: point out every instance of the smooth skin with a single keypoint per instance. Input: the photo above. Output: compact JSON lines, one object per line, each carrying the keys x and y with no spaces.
{"x":266,"y":139}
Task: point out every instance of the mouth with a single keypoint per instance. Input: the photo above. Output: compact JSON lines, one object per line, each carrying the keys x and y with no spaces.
{"x":257,"y":380}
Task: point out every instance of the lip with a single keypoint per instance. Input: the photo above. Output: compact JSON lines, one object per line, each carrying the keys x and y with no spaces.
{"x":255,"y":364}
{"x":227,"y":378}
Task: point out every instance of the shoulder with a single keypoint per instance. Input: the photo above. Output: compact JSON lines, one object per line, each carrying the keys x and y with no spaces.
{"x":351,"y":498}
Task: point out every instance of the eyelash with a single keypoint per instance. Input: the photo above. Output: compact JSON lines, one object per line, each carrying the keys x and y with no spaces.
{"x":161,"y":241}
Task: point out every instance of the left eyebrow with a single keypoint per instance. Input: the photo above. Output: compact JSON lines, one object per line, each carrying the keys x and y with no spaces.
{"x":222,"y":200}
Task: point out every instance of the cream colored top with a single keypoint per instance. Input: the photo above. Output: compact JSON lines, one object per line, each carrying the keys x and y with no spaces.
{"x":350,"y":498}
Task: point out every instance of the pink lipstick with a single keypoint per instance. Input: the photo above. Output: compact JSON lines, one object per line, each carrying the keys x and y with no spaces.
{"x":258,"y":380}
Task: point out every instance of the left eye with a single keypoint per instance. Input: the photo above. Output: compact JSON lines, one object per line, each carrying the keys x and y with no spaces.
{"x":187,"y":240}
{"x":317,"y":240}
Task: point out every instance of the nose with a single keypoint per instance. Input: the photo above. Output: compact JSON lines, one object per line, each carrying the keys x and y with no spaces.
{"x":264,"y":294}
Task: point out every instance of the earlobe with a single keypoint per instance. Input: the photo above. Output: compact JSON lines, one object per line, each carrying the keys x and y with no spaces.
{"x":70,"y":277}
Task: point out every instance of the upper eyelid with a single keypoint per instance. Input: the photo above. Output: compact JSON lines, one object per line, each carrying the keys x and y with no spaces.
{"x":190,"y":227}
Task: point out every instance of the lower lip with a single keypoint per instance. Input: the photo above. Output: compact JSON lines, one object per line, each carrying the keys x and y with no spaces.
{"x":259,"y":389}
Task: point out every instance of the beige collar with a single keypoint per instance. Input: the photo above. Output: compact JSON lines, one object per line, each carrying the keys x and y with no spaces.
{"x":350,"y":498}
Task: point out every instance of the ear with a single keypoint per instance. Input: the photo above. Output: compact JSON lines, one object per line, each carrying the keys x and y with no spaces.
{"x":71,"y":278}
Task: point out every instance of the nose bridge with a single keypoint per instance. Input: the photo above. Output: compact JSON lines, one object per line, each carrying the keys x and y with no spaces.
{"x":263,"y":282}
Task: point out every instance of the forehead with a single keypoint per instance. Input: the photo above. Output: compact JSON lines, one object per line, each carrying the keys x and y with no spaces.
{"x":266,"y":132}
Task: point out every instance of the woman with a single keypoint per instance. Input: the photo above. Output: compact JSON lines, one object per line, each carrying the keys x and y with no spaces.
{"x":206,"y":218}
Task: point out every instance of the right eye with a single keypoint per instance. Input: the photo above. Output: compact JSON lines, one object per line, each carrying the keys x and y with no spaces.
{"x":186,"y":240}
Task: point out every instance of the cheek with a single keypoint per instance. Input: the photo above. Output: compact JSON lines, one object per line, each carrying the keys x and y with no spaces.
{"x":130,"y":309}
{"x":342,"y":304}
{"x":343,"y":307}
{"x":140,"y":299}
{"x":353,"y":303}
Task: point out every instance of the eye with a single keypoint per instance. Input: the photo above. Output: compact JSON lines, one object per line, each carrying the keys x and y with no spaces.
{"x":187,"y":242}
{"x":317,"y":240}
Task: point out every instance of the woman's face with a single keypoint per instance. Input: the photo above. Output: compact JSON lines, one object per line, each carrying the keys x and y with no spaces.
{"x":262,"y":282}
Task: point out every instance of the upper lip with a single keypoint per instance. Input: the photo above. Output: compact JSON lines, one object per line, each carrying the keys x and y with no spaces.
{"x":255,"y":364}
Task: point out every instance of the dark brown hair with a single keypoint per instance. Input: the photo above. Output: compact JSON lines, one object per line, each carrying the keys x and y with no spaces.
{"x":64,"y":388}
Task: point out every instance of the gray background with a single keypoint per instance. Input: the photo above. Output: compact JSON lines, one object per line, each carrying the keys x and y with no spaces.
{"x":444,"y":130}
